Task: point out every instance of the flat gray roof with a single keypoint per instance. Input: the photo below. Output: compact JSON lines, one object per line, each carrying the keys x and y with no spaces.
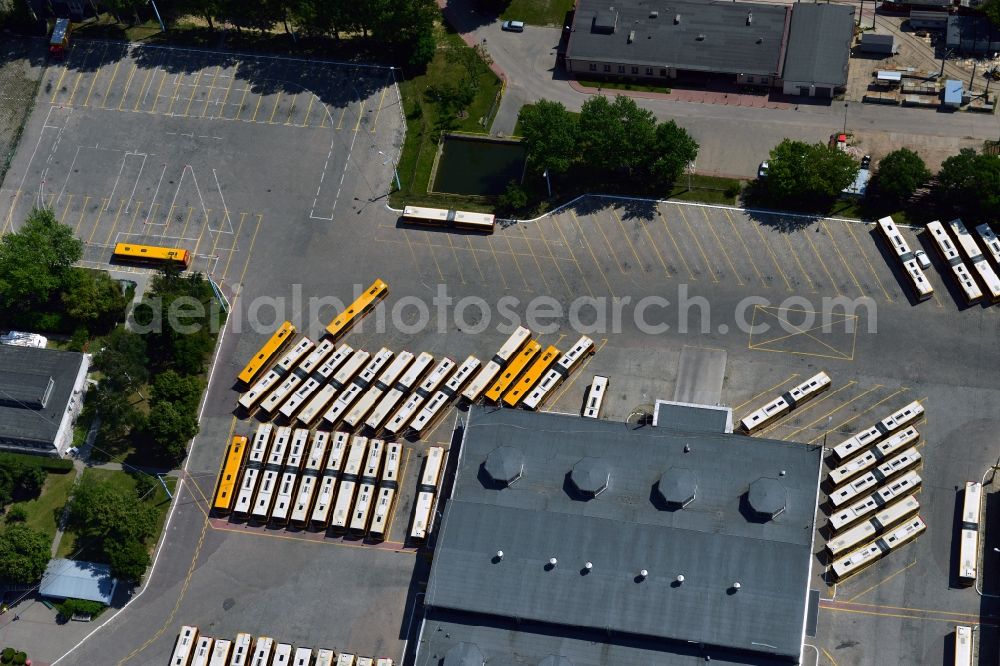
{"x":73,"y":579}
{"x":708,"y":37}
{"x":19,"y":419}
{"x":714,"y":541}
{"x":687,"y":416}
{"x":819,"y":43}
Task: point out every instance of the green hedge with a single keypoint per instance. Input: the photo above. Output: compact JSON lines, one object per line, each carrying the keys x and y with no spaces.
{"x":57,"y":465}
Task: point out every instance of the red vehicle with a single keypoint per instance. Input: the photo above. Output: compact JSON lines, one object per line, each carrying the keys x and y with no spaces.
{"x":60,"y":38}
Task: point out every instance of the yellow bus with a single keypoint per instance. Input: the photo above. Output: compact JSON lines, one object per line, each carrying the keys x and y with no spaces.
{"x":513,"y":371}
{"x":152,"y":254}
{"x":528,"y":380}
{"x":229,"y":478}
{"x":357,"y":309}
{"x":275,"y":344}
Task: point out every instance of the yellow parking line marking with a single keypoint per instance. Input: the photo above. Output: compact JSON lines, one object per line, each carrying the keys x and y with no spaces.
{"x":795,"y":254}
{"x":211,"y":87}
{"x":708,"y":264}
{"x":434,"y":257}
{"x":361,"y":114}
{"x":555,"y":261}
{"x":229,"y":260}
{"x":260,"y":98}
{"x":833,"y":283}
{"x":971,"y":618}
{"x":516,"y":262}
{"x":826,"y":654}
{"x":569,"y":247}
{"x":97,"y":74}
{"x":531,"y":251}
{"x":75,"y":85}
{"x":770,"y":251}
{"x":55,"y":90}
{"x":111,"y":82}
{"x":177,"y":89}
{"x":128,"y":84}
{"x":158,"y":90}
{"x":340,"y":123}
{"x":798,"y":330}
{"x":458,"y":262}
{"x":597,"y":223}
{"x":837,"y":409}
{"x":836,"y":246}
{"x":10,"y":213}
{"x":242,"y":105}
{"x":861,"y":251}
{"x":62,"y":218}
{"x":52,"y":198}
{"x":670,"y":234}
{"x":312,"y":100}
{"x":168,"y":219}
{"x":379,"y":110}
{"x":798,"y":411}
{"x":291,"y":109}
{"x":83,"y":211}
{"x":565,"y":387}
{"x":260,"y":218}
{"x":711,"y":228}
{"x":100,"y":214}
{"x":229,"y":88}
{"x":121,"y":204}
{"x":746,"y":248}
{"x":218,"y":235}
{"x":201,"y":234}
{"x":472,"y":250}
{"x":768,"y":390}
{"x":635,"y":252}
{"x":194,"y":91}
{"x":277,"y":100}
{"x":881,"y":582}
{"x":188,"y":221}
{"x":656,"y":248}
{"x":135,"y":214}
{"x":593,"y":256}
{"x":142,"y":89}
{"x":857,"y":416}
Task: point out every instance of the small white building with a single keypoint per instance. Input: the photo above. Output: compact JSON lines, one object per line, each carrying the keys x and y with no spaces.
{"x":20,"y":339}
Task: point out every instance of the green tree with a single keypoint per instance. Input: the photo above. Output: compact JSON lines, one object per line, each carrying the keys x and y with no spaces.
{"x":17,"y":514}
{"x":103,"y":511}
{"x":19,"y":481}
{"x":550,"y":136}
{"x":128,"y":559}
{"x":93,"y":298}
{"x":900,"y":174}
{"x":123,"y":360}
{"x":24,"y":554}
{"x":35,"y":261}
{"x":808,"y":174}
{"x":114,"y":409}
{"x":675,"y":149}
{"x":170,"y":427}
{"x":616,"y":136}
{"x":182,"y":391}
{"x":991,"y":8}
{"x":970,"y":182}
{"x":513,"y":199}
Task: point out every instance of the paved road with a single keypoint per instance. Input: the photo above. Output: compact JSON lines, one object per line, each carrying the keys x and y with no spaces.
{"x":733,"y":139}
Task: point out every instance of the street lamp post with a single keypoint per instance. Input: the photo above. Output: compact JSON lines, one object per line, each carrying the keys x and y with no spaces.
{"x":846,"y":106}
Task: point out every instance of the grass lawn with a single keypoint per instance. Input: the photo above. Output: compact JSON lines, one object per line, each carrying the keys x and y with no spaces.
{"x":621,"y":85}
{"x":425,"y":122}
{"x":538,"y":12}
{"x":156,"y":498}
{"x":707,"y":189}
{"x":44,"y":511}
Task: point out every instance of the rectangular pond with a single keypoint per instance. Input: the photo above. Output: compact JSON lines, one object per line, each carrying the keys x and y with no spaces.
{"x":478,"y":166}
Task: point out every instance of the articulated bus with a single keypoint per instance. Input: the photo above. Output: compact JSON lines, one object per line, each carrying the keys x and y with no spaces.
{"x":882,"y":521}
{"x":507,"y":351}
{"x":360,"y":384}
{"x":325,"y":657}
{"x":303,"y":657}
{"x":922,"y":289}
{"x":884,"y":496}
{"x":992,"y":243}
{"x":263,"y":652}
{"x":531,"y":376}
{"x":951,"y":257}
{"x":877,"y":549}
{"x":297,"y":376}
{"x":184,"y":647}
{"x":357,"y":310}
{"x":432,"y":408}
{"x":274,"y":344}
{"x":202,"y":651}
{"x":988,"y":279}
{"x":401,"y":419}
{"x":251,"y":475}
{"x":264,"y":499}
{"x":285,"y":496}
{"x":242,"y":647}
{"x":128,"y":253}
{"x":873,"y":456}
{"x":385,"y":381}
{"x":229,"y":479}
{"x":873,"y":479}
{"x":563,"y":368}
{"x":595,"y":397}
{"x":968,"y":557}
{"x":457,"y":381}
{"x":221,"y":652}
{"x":249,"y":400}
{"x":859,"y":442}
{"x":964,"y":639}
{"x":422,"y":509}
{"x":513,"y":371}
{"x":395,"y":395}
{"x":349,"y":483}
{"x":326,"y":394}
{"x":314,"y":381}
{"x":785,"y":403}
{"x":430,"y":413}
{"x":320,"y":518}
{"x":310,"y":475}
{"x":440,"y":217}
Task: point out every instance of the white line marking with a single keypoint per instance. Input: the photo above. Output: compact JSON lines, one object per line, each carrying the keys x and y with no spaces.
{"x":225,"y":208}
{"x":137,"y":177}
{"x":155,"y":194}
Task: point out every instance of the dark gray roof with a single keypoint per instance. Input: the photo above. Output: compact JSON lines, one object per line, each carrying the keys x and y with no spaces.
{"x":464,"y":654}
{"x":19,"y":420}
{"x":713,"y":542}
{"x":23,"y":389}
{"x":687,"y":416}
{"x":727,"y":44}
{"x":819,"y":44}
{"x":677,"y":486}
{"x":504,"y":465}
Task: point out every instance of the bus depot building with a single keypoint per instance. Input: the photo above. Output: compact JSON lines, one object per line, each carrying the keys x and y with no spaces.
{"x":577,"y":542}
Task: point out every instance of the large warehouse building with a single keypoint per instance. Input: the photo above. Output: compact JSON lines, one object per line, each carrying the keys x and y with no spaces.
{"x":800,"y":49}
{"x":575,"y":542}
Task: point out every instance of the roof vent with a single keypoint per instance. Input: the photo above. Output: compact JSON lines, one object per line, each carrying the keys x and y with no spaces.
{"x":677,"y":487}
{"x":767,"y":498}
{"x":553,"y":562}
{"x":642,"y":574}
{"x":680,"y":578}
{"x":591,"y":477}
{"x":737,"y":586}
{"x":677,"y":19}
{"x":499,"y":554}
{"x":504,"y":465}
{"x":760,"y":40}
{"x":631,"y":36}
{"x":654,"y":14}
{"x":700,"y":38}
{"x":750,"y":17}
{"x":588,"y":565}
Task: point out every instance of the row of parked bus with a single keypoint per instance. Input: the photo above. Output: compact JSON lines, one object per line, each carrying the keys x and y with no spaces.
{"x":872,"y":492}
{"x":194,"y":649}
{"x":311,"y":479}
{"x":785,"y":403}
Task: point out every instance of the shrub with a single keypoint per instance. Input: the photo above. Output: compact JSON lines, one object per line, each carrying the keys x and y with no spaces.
{"x":17,"y":514}
{"x":70,"y":607}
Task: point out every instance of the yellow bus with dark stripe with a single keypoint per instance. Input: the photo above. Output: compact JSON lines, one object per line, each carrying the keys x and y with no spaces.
{"x":229,"y":478}
{"x":358,"y":309}
{"x":152,"y":254}
{"x":528,"y":380}
{"x":266,"y":353}
{"x":513,"y":370}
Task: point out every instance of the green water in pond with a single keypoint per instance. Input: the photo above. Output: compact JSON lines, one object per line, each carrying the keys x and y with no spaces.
{"x":474,"y":166}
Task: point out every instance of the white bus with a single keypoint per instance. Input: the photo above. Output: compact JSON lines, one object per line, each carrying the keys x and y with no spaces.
{"x":255,"y":463}
{"x":345,"y":659}
{"x":365,"y":661}
{"x":785,"y":403}
{"x":422,"y":513}
{"x":968,"y":556}
{"x":390,"y":472}
{"x":324,"y":657}
{"x":395,"y":395}
{"x":401,"y":418}
{"x":990,"y":240}
{"x":251,"y":398}
{"x":488,"y":374}
{"x":563,"y":368}
{"x":987,"y":277}
{"x":873,"y":456}
{"x":430,"y":413}
{"x":595,"y":397}
{"x":432,"y":469}
{"x":362,"y":508}
{"x":263,"y":652}
{"x":953,"y":260}
{"x":310,"y":476}
{"x":384,"y":500}
{"x":242,"y":647}
{"x":877,"y":549}
{"x":282,"y":655}
{"x":326,"y":493}
{"x":360,"y":384}
{"x":221,"y":652}
{"x":184,"y":647}
{"x":922,"y":289}
{"x":314,"y":381}
{"x":899,"y":464}
{"x":383,"y":661}
{"x":862,"y":440}
{"x":421,"y":394}
{"x":383,"y":383}
{"x":202,"y":651}
{"x":457,"y":381}
{"x":285,"y":497}
{"x":887,"y":494}
{"x":441,"y":217}
{"x":299,"y":374}
{"x":349,"y":483}
{"x":964,"y":639}
{"x":883,"y":520}
{"x":264,"y":499}
{"x":303,"y":657}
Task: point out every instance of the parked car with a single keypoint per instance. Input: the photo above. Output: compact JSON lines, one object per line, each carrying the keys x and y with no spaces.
{"x":513,"y":26}
{"x":762,"y":170}
{"x":866,"y":161}
{"x":922,"y":259}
